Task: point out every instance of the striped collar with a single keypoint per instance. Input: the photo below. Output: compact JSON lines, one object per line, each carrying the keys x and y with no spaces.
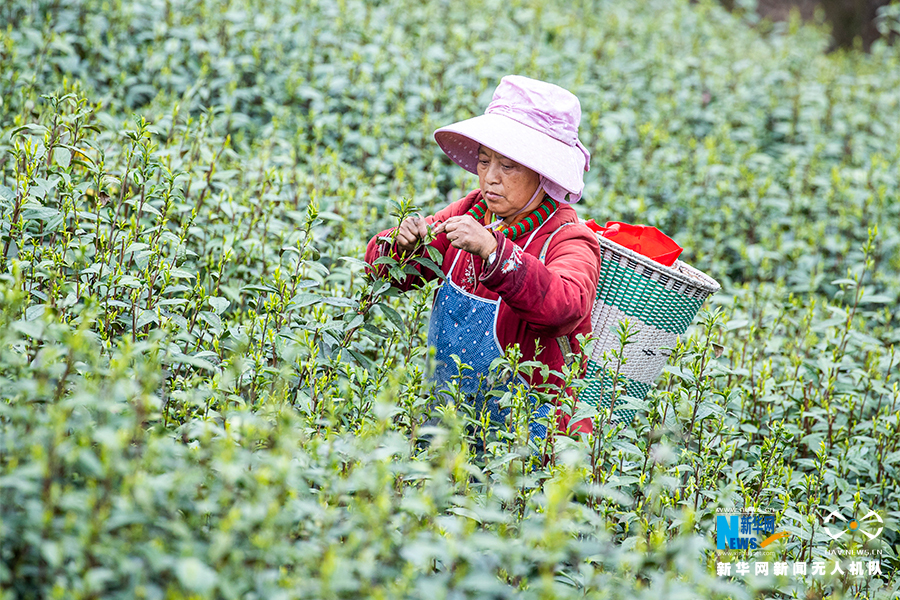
{"x":513,"y":232}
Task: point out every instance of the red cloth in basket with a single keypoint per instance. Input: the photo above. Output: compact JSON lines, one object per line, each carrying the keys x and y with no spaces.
{"x":643,"y":239}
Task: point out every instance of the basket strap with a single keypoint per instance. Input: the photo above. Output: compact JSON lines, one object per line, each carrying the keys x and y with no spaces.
{"x":562,"y":341}
{"x":546,"y":245}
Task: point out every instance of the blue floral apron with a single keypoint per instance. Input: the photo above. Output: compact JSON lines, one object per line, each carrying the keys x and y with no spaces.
{"x":466,"y":325}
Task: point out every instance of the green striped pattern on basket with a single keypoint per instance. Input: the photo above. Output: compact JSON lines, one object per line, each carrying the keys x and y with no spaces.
{"x":660,"y":302}
{"x":645,"y":356}
{"x":638,"y":296}
{"x":599,"y":392}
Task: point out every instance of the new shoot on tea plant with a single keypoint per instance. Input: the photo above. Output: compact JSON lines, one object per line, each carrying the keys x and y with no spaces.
{"x":613,"y":362}
{"x":573,"y":369}
{"x":699,"y":365}
{"x":625,"y":331}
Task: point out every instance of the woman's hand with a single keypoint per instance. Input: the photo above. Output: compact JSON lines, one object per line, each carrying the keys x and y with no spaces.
{"x":465,"y":233}
{"x":411,"y":230}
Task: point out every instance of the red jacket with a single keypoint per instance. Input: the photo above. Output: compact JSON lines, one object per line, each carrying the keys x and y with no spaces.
{"x":539,"y":301}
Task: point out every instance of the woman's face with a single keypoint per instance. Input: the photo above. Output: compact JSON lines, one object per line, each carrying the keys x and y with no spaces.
{"x":506,"y":185}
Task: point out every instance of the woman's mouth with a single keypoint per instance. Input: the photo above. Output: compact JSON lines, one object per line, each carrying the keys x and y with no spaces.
{"x":492,"y":196}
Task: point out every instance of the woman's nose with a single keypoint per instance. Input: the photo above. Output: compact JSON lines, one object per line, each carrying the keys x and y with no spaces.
{"x":493,"y":172}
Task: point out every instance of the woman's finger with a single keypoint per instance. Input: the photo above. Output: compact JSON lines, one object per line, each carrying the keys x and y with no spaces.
{"x":404,"y":243}
{"x":466,"y":233}
{"x":413,"y":226}
{"x":421,"y":227}
{"x":406,"y":235}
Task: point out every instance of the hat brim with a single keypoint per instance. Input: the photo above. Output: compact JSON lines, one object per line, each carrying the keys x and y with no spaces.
{"x":557,"y":161}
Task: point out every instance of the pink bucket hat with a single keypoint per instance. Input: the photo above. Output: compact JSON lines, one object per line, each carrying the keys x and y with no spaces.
{"x":531,"y":122}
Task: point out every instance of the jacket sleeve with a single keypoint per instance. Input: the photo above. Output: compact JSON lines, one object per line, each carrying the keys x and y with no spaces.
{"x":552,"y":297}
{"x":383,"y":244}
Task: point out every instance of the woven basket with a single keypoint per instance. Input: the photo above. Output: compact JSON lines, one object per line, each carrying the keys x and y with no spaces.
{"x":659,"y":301}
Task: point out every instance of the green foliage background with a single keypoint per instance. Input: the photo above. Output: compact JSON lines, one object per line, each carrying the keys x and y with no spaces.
{"x":204,"y":395}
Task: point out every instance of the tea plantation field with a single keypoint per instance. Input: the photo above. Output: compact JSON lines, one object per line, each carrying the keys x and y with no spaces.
{"x":203,"y":394}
